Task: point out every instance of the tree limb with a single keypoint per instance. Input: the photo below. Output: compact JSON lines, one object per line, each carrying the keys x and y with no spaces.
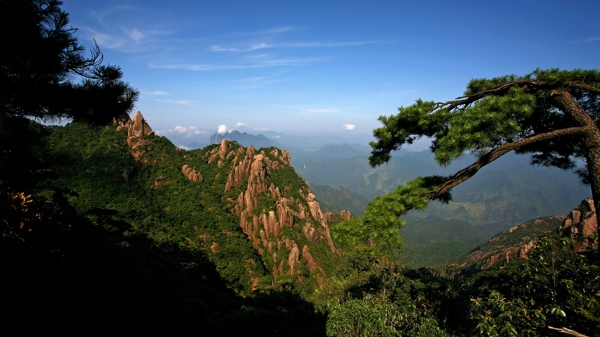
{"x":469,"y":171}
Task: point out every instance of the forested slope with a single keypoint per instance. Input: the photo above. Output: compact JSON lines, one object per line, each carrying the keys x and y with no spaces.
{"x":122,"y":221}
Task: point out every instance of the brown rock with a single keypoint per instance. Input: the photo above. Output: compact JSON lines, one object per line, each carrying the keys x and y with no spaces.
{"x":315,"y":211}
{"x":215,"y":248}
{"x":293,"y":258}
{"x":580,"y":225}
{"x":191,"y":173}
{"x":310,"y":262}
{"x":310,"y":233}
{"x":136,"y":128}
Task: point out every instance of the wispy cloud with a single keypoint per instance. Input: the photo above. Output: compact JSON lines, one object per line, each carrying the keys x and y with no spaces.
{"x":240,"y":125}
{"x":180,"y":102}
{"x":264,"y":45}
{"x":251,"y":47}
{"x":155,"y":93}
{"x":182,"y":130}
{"x":349,"y":127}
{"x":240,"y":65}
{"x":127,"y":29}
{"x":587,"y":40}
{"x":127,"y":39}
{"x":275,"y":30}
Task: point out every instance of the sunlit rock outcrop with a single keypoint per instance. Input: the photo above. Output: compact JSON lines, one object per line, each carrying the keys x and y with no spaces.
{"x":580,"y":225}
{"x":191,"y":173}
{"x":516,"y":243}
{"x":136,"y":129}
{"x":265,"y":227}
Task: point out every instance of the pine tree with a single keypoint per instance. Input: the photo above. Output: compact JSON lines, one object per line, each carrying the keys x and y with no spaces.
{"x":554,"y":115}
{"x":40,"y":60}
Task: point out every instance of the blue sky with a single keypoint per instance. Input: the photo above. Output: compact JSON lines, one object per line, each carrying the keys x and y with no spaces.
{"x":323,"y":67}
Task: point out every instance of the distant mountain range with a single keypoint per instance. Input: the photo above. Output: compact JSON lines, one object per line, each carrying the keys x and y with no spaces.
{"x":508,"y":191}
{"x":270,"y":138}
{"x":245,"y":139}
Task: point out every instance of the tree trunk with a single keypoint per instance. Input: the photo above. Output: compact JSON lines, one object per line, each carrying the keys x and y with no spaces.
{"x":591,"y":141}
{"x":593,"y":166}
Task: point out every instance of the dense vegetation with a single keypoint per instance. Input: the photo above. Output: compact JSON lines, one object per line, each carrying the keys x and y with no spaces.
{"x":99,"y":239}
{"x":104,"y":237}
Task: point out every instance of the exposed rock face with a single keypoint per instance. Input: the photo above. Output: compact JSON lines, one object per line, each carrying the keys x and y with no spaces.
{"x":286,"y":221}
{"x":315,"y":210}
{"x":580,"y":225}
{"x":336,"y":217}
{"x":265,"y":227}
{"x":136,"y":129}
{"x":215,"y":248}
{"x":514,"y":243}
{"x":190,"y":173}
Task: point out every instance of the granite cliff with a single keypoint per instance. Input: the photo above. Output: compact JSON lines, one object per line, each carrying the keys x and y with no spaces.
{"x":279,"y":216}
{"x":580,"y":225}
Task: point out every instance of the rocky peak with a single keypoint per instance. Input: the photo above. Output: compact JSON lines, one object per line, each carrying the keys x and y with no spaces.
{"x":517,"y":242}
{"x":265,"y":228}
{"x":580,"y":225}
{"x":514,"y":243}
{"x":337,"y":217}
{"x":136,"y":129}
{"x":191,"y":173}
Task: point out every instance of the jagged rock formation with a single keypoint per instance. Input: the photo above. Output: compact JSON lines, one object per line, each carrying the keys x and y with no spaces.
{"x":191,"y":173}
{"x":580,"y":225}
{"x":337,"y":217}
{"x":514,"y":243}
{"x":265,"y":227}
{"x":136,"y":129}
{"x":280,"y":217}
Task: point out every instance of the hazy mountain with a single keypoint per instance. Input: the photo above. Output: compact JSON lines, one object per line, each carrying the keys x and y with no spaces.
{"x":189,"y":142}
{"x":245,"y":139}
{"x":318,"y":141}
{"x":509,"y":190}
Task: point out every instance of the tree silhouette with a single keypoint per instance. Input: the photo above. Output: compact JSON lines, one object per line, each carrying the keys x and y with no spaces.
{"x":41,"y":58}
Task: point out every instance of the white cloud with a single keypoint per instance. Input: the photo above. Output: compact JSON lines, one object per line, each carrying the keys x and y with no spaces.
{"x":180,"y":102}
{"x":131,"y":40}
{"x":276,"y":30}
{"x":349,"y":127}
{"x":262,"y":45}
{"x":135,"y":35}
{"x":155,"y":92}
{"x":222,"y":129}
{"x":251,"y":47}
{"x":240,"y":125}
{"x":255,"y":63}
{"x":187,"y":131}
